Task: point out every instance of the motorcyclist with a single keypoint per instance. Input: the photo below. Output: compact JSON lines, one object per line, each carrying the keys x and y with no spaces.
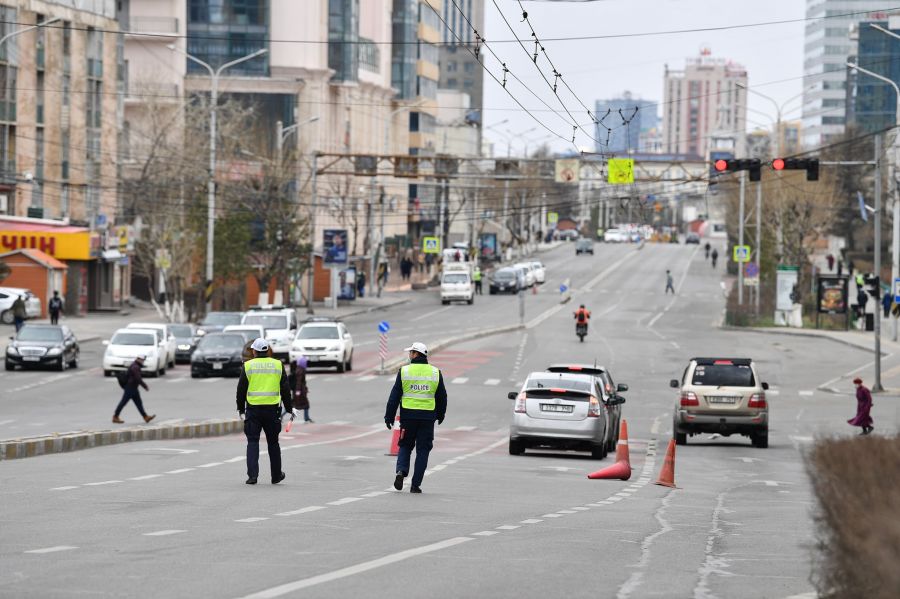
{"x":582,"y":316}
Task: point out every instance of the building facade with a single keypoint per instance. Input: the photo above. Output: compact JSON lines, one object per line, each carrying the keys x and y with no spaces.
{"x":872,"y":103}
{"x":826,"y":49}
{"x":461,"y":70}
{"x":702,"y":103}
{"x":623,"y":118}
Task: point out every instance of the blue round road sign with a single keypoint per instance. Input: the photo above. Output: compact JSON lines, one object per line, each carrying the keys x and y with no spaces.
{"x":562,"y":288}
{"x":752,"y":269}
{"x":383,"y":326}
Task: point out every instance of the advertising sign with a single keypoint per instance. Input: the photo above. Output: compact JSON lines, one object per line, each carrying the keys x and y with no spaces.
{"x":334,"y":246}
{"x":347,"y":284}
{"x":831,"y":295}
{"x":73,"y":244}
{"x":487,"y":245}
{"x":552,"y":218}
{"x":786,"y":281}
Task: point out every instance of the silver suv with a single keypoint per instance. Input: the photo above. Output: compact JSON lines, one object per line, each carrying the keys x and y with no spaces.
{"x":721,"y":395}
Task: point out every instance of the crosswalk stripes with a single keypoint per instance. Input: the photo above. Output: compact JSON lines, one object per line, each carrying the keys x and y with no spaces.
{"x":492,"y":382}
{"x":460,"y":380}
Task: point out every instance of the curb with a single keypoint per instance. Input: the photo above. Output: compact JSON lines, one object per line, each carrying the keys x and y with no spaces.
{"x":805,"y":333}
{"x":373,"y":308}
{"x":65,"y":442}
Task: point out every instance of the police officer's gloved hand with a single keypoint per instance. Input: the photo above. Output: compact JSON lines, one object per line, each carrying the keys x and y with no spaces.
{"x":388,"y":424}
{"x":241,"y":415}
{"x":440,"y":421}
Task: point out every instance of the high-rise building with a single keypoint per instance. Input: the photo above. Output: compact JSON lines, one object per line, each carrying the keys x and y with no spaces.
{"x":460,"y":69}
{"x":826,"y":50}
{"x":705,"y":106}
{"x":872,"y":103}
{"x":623,"y":121}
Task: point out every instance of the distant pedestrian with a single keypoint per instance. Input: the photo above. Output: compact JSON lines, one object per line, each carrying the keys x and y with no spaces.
{"x":670,"y":283}
{"x":830,"y":259}
{"x":886,"y":302}
{"x":361,"y":284}
{"x":862,"y":298}
{"x":840,"y":267}
{"x":715,"y":256}
{"x":476,"y":276}
{"x":19,"y":314}
{"x":863,"y":417}
{"x":706,"y":247}
{"x":299,"y":389}
{"x":55,"y":306}
{"x":133,"y":381}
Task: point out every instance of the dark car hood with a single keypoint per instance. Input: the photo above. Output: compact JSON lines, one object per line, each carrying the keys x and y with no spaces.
{"x":213,"y":353}
{"x":47,"y":344}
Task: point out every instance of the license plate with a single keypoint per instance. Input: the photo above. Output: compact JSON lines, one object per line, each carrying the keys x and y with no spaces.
{"x":31,"y":359}
{"x":312,"y":358}
{"x":721,"y":400}
{"x":217,"y":366}
{"x":549,"y":407}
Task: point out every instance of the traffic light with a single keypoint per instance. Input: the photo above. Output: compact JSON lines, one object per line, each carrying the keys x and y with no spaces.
{"x":810,"y":165}
{"x":873,"y":285}
{"x":739,"y":164}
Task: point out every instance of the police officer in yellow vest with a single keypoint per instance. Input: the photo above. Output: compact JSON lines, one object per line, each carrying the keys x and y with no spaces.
{"x":476,"y":276}
{"x":422,"y":398}
{"x":262,"y":387}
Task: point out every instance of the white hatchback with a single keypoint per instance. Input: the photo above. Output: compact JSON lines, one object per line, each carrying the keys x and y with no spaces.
{"x":129,"y":343}
{"x":8,"y":296}
{"x":540,"y":273}
{"x":528,"y":268}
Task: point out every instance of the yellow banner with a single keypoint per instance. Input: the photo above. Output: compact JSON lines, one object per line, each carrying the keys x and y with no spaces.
{"x":62,"y":246}
{"x":620,"y":170}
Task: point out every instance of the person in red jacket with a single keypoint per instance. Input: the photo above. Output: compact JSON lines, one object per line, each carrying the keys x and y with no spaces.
{"x":863,"y":406}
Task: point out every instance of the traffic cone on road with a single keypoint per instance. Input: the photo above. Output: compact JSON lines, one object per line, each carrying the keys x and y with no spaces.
{"x":667,"y":474}
{"x":621,"y":470}
{"x":395,"y":438}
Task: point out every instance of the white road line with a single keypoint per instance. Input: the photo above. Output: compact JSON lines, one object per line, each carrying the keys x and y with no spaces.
{"x":2,"y":422}
{"x":432,"y":313}
{"x":492,"y":382}
{"x":345,"y":501}
{"x":438,"y":468}
{"x":393,"y":558}
{"x":552,"y":516}
{"x":69,"y":488}
{"x":251,"y":519}
{"x":339,"y":422}
{"x":460,"y":380}
{"x":239,"y":458}
{"x":806,"y":393}
{"x":183,"y":451}
{"x":145,"y":477}
{"x":508,"y":527}
{"x":210,"y":465}
{"x":580,"y":509}
{"x":179,"y":471}
{"x":654,"y":319}
{"x":565,"y":512}
{"x":103,"y":482}
{"x":368,"y":377}
{"x":464,"y":428}
{"x":163,"y":533}
{"x":530,"y":521}
{"x":374,"y":494}
{"x":303,"y":510}
{"x":485,"y":533}
{"x":52,"y":549}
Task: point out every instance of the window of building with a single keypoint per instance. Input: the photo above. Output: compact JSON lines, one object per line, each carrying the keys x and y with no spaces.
{"x":429,"y":53}
{"x":452,"y":82}
{"x":64,"y":154}
{"x":469,"y":67}
{"x":343,"y":33}
{"x":832,"y":103}
{"x":220,"y":31}
{"x":468,"y":84}
{"x":429,"y":16}
{"x":64,"y":200}
{"x":8,"y":24}
{"x":369,"y":55}
{"x":40,"y":49}
{"x":94,"y":53}
{"x":67,"y":47}
{"x":94,"y":103}
{"x":7,"y":92}
{"x":451,"y":66}
{"x":426,"y":88}
{"x":39,"y":97}
{"x":832,"y":120}
{"x":7,"y":152}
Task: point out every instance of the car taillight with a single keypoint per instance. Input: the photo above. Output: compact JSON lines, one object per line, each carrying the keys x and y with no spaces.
{"x":758,"y":400}
{"x":689,"y":398}
{"x":594,"y":407}
{"x":520,"y":403}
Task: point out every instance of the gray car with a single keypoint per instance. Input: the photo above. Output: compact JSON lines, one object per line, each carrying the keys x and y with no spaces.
{"x":560,"y":411}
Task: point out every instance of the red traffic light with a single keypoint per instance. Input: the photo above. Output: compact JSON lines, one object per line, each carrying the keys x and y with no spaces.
{"x":778,"y":164}
{"x":721,"y":165}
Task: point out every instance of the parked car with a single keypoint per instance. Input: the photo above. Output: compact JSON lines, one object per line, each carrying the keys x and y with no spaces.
{"x":528,"y":269}
{"x":567,"y":235}
{"x":280,"y":325}
{"x":127,"y":344}
{"x":8,"y":295}
{"x":584,"y":246}
{"x":560,"y":411}
{"x":43,"y":345}
{"x":721,"y":395}
{"x":218,"y":354}
{"x":505,"y":280}
{"x":168,"y":345}
{"x":324,"y":343}
{"x":615,"y":236}
{"x":610,"y":391}
{"x":185,"y":341}
{"x":692,"y":238}
{"x":540,"y":273}
{"x":214,"y":322}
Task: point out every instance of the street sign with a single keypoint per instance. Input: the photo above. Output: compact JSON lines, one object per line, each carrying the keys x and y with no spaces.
{"x":862,"y":207}
{"x":752,"y":269}
{"x":741,"y":253}
{"x":567,"y":170}
{"x":562,"y":288}
{"x":552,"y":218}
{"x":384,"y":326}
{"x":751,"y":281}
{"x":620,"y":171}
{"x":431,"y":245}
{"x":897,"y":291}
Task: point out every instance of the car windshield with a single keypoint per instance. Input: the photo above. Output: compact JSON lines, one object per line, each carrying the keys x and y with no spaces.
{"x":133,"y":339}
{"x":557,"y":382}
{"x":234,"y":342}
{"x":318,"y":332}
{"x":221,"y":319}
{"x":723,"y":375}
{"x":456,"y":277}
{"x":505,"y":275}
{"x":267,"y":321}
{"x":181,"y":330}
{"x":39,"y":334}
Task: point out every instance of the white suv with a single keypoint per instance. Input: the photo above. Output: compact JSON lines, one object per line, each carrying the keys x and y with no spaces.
{"x":168,"y":345}
{"x":324,"y":343}
{"x":279,"y":324}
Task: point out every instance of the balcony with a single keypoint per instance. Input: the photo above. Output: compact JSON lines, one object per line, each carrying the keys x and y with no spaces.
{"x":163,"y":26}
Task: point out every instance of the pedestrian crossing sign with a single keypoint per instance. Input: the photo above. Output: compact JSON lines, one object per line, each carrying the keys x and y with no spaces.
{"x":431,"y":245}
{"x":620,"y":171}
{"x":552,"y":218}
{"x":741,"y":253}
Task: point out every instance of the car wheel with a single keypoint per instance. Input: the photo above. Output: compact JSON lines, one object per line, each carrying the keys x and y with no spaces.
{"x":8,"y":365}
{"x":350,"y":363}
{"x":492,"y":292}
{"x":195,"y":375}
{"x":107,"y":373}
{"x":516,"y":447}
{"x":598,"y":452}
{"x":62,"y":364}
{"x":172,"y":364}
{"x":445,"y":302}
{"x":7,"y":317}
{"x":760,"y":439}
{"x":342,"y":366}
{"x":74,"y":362}
{"x":471,"y":301}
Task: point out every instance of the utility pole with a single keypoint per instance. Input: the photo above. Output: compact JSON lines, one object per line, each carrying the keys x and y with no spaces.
{"x":741,"y":239}
{"x":505,"y":220}
{"x":370,"y":221}
{"x":877,"y":386}
{"x":758,"y":244}
{"x":312,"y":236}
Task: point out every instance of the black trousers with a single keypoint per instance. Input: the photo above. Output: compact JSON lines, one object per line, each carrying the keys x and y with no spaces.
{"x":418,"y":434}
{"x":263,"y":419}
{"x":54,"y":316}
{"x":133,"y":394}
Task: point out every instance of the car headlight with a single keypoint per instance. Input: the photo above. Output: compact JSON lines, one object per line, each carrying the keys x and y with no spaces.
{"x":54,"y":351}
{"x":201,"y":332}
{"x":333,"y":348}
{"x":12,"y":351}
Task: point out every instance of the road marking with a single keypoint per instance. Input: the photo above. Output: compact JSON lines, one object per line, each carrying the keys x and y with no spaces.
{"x":239,"y":458}
{"x":492,"y":382}
{"x":145,"y":477}
{"x":432,"y":313}
{"x":374,"y":493}
{"x":552,"y":516}
{"x":52,"y":549}
{"x":770,"y":483}
{"x":210,"y":465}
{"x":580,"y":509}
{"x":508,"y":527}
{"x":303,"y":510}
{"x":251,"y":519}
{"x":339,"y":422}
{"x":368,"y":377}
{"x":393,"y":558}
{"x":185,"y":451}
{"x":557,"y":468}
{"x":345,"y":501}
{"x":565,"y":512}
{"x":354,"y":458}
{"x":460,"y":380}
{"x":530,"y":521}
{"x":485,"y":533}
{"x":675,"y":345}
{"x":64,"y":488}
{"x":163,"y":533}
{"x":464,"y":428}
{"x":179,"y":471}
{"x":2,"y":422}
{"x":103,"y":482}
{"x":748,"y":460}
{"x":806,"y":393}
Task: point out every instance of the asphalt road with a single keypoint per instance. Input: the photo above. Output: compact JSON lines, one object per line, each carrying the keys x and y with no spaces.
{"x":174,"y":519}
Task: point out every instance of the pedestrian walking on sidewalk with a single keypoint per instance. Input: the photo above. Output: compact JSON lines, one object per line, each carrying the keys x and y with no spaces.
{"x":420,"y":394}
{"x":714,"y":256}
{"x":19,"y":313}
{"x":706,"y":247}
{"x":55,"y":306}
{"x":361,"y":284}
{"x":297,"y":383}
{"x":863,"y":407}
{"x":131,"y":391}
{"x":670,"y":286}
{"x":886,"y":302}
{"x":262,"y":386}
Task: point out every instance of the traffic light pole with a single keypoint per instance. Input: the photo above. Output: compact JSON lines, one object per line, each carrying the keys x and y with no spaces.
{"x":741,"y":239}
{"x":758,"y":245}
{"x":878,"y":140}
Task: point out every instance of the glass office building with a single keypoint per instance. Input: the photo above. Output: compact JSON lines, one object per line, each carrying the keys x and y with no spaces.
{"x":220,"y":31}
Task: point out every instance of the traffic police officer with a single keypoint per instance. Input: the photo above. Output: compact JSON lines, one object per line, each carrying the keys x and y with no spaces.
{"x":261,"y":388}
{"x":420,"y":393}
{"x":477,"y":278}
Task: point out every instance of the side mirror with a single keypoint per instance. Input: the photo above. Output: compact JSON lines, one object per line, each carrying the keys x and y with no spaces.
{"x":617,"y":400}
{"x":621,"y":387}
{"x":674,"y":383}
{"x":512,"y":395}
{"x":765,"y":386}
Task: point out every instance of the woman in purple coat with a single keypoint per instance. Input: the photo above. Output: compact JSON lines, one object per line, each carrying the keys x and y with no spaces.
{"x":863,"y":406}
{"x":297,"y":383}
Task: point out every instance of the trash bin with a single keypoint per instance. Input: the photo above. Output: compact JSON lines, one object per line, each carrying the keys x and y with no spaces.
{"x":870,"y":322}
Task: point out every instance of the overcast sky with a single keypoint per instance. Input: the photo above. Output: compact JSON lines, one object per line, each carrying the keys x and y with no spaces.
{"x":598,"y":69}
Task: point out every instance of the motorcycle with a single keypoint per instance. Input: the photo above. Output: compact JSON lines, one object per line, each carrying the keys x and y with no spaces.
{"x":581,"y":330}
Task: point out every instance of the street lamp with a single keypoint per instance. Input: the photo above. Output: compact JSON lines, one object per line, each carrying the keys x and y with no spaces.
{"x":27,"y":29}
{"x":282,"y":132}
{"x":211,"y":191}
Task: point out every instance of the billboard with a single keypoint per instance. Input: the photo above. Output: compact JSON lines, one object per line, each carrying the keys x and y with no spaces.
{"x":487,"y":245}
{"x":334,"y":246}
{"x":831,"y":296}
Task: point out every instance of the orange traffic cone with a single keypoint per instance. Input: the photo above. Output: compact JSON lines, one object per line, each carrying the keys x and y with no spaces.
{"x":395,"y":438}
{"x":667,"y":474}
{"x":621,"y":470}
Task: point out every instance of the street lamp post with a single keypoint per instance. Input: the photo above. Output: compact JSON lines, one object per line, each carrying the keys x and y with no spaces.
{"x":214,"y":75}
{"x":12,"y":34}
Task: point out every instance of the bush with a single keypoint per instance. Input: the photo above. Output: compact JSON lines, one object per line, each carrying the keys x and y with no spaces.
{"x":857,"y":523}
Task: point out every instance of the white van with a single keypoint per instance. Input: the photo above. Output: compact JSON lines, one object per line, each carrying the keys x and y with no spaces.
{"x":457,"y":284}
